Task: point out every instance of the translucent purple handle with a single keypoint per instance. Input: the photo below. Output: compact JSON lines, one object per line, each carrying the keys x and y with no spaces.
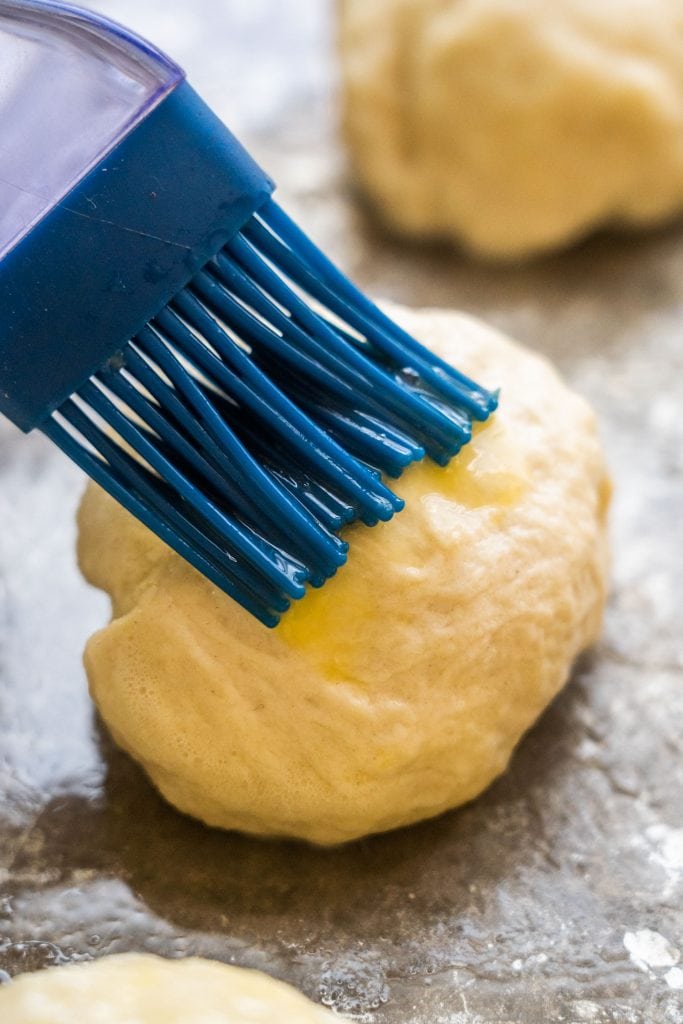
{"x":72,"y":84}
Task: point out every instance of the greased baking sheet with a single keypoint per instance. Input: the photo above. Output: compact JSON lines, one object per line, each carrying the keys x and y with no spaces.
{"x":557,"y":895}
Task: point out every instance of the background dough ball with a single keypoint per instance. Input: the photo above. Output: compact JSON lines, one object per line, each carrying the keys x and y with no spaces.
{"x":515,"y":125}
{"x":400,"y":688}
{"x":150,"y":990}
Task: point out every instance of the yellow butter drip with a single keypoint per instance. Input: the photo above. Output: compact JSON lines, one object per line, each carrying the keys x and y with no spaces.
{"x":488,"y":472}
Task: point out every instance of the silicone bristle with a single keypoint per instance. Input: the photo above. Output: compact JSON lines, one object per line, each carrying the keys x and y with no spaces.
{"x":261,"y":411}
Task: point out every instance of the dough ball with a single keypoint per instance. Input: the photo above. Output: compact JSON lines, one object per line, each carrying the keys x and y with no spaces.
{"x":142,"y":989}
{"x":400,"y":688}
{"x":515,"y":126}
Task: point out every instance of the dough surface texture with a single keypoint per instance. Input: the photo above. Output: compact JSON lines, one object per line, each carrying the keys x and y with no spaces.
{"x":142,"y":989}
{"x":515,"y":126}
{"x":399,"y":689}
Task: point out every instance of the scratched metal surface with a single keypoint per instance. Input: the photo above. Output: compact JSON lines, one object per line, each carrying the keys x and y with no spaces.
{"x":557,"y":896}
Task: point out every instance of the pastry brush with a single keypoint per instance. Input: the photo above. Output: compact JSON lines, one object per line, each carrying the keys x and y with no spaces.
{"x":171,"y":329}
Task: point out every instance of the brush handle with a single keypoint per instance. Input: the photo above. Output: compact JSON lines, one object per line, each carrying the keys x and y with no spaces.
{"x":71,"y":86}
{"x":170,"y":185}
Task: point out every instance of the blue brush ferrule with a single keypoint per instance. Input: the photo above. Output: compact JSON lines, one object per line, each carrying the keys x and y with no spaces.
{"x":114,"y":251}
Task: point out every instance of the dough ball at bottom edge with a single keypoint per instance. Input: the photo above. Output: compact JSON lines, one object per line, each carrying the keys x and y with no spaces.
{"x":150,"y":990}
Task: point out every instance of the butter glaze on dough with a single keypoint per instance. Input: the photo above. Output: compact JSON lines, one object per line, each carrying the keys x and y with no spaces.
{"x":401,"y":688}
{"x":147,"y":989}
{"x":515,"y":126}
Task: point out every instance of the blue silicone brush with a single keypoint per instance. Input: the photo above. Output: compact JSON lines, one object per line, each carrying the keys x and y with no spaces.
{"x":177,"y":335}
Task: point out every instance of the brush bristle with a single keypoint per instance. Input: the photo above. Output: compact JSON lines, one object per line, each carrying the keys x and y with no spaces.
{"x":261,"y":411}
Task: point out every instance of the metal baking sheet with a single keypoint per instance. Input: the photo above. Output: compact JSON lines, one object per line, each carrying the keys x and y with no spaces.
{"x":557,"y":895}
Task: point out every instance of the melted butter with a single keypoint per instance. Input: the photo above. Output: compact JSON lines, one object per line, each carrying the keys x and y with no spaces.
{"x":488,"y":472}
{"x":313,"y":624}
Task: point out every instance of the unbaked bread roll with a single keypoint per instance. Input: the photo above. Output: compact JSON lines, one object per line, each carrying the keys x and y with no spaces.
{"x":142,"y":989}
{"x":515,"y":126}
{"x":400,"y":688}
